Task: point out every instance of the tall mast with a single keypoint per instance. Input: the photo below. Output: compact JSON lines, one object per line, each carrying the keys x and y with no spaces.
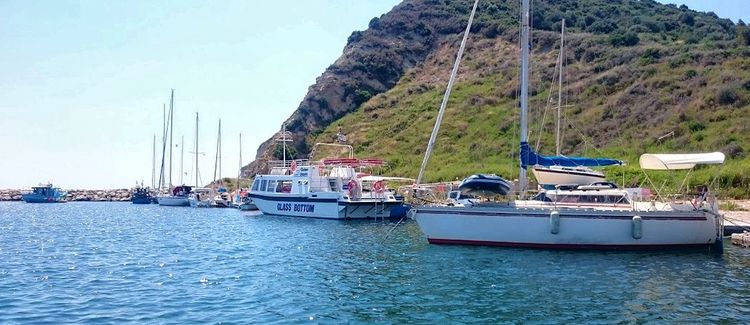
{"x":283,"y":141}
{"x":182,"y":157}
{"x":239,"y":173}
{"x":153,"y":163}
{"x":217,"y":159}
{"x":447,"y":95}
{"x":171,"y":131}
{"x":559,"y":88}
{"x":162,"y":177}
{"x":524,"y":87}
{"x":196,"y":150}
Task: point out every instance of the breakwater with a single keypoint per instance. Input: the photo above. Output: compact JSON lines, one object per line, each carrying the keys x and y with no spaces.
{"x":114,"y":195}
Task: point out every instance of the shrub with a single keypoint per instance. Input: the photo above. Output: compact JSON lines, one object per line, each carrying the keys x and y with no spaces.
{"x":601,"y":27}
{"x":726,"y":96}
{"x":626,"y":39}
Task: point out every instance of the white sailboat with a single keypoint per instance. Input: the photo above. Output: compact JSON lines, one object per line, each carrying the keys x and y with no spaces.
{"x":199,"y":197}
{"x":178,"y":195}
{"x":573,"y":173}
{"x":589,"y":217}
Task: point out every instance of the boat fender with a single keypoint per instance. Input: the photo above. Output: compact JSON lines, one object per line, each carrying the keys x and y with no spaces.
{"x":637,"y":227}
{"x":351,"y":185}
{"x":554,"y":222}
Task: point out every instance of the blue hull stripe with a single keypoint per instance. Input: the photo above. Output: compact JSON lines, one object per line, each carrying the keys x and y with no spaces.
{"x":291,"y":199}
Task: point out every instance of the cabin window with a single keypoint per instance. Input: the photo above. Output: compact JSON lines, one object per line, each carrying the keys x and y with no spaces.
{"x":284,"y":186}
{"x":256,"y":184}
{"x":263,"y":184}
{"x":271,"y":186}
{"x":332,"y":183}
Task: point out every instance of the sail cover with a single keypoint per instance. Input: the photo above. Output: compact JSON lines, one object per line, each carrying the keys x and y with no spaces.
{"x":679,"y":161}
{"x":531,"y":158}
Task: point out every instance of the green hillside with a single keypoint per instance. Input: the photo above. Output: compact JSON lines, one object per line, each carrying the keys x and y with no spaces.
{"x":640,"y":77}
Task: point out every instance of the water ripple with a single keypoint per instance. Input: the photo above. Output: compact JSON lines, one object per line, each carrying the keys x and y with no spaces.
{"x":117,"y":262}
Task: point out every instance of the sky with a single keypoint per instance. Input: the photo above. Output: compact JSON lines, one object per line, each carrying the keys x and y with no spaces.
{"x":83,"y":83}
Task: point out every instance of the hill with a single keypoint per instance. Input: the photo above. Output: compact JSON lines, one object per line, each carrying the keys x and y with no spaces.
{"x":640,"y":76}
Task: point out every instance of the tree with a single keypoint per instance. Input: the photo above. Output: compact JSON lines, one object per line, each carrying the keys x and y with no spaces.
{"x":624,"y":39}
{"x":278,"y":152}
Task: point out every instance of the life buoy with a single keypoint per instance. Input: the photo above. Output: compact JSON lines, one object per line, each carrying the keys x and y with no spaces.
{"x":379,"y":186}
{"x":351,"y":185}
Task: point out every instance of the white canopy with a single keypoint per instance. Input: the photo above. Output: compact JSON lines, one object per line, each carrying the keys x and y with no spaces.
{"x":371,"y":178}
{"x":679,"y":161}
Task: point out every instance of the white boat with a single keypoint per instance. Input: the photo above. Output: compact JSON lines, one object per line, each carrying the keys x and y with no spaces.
{"x":600,"y":218}
{"x":330,"y":189}
{"x":561,"y":175}
{"x":200,"y":198}
{"x":559,"y":170}
{"x":177,"y":198}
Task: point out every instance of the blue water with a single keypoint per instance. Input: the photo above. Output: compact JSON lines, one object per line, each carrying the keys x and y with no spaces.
{"x":118,"y":262}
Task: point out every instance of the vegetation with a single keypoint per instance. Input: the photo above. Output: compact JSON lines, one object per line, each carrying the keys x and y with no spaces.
{"x":640,"y":77}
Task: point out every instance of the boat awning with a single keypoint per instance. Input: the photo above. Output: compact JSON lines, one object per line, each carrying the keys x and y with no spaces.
{"x":679,"y":161}
{"x":531,"y":158}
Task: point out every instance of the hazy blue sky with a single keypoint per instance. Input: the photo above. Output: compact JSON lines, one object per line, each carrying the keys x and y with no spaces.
{"x":82,"y":83}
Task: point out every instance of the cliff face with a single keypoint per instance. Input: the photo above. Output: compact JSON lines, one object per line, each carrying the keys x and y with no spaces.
{"x":635,"y":71}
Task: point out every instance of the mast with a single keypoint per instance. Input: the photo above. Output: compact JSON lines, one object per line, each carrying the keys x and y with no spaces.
{"x":171,"y":131}
{"x":447,"y":95}
{"x":182,"y":157}
{"x":153,"y":164}
{"x":162,"y":177}
{"x":524,"y":87}
{"x":196,"y":149}
{"x":559,"y":88}
{"x":217,"y":159}
{"x":283,"y":141}
{"x":239,"y":173}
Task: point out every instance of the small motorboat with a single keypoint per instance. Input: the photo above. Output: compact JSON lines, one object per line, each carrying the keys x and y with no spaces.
{"x":485,"y":184}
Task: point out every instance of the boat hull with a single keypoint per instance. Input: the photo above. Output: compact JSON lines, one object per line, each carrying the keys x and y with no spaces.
{"x":577,"y":228}
{"x":326,"y":207}
{"x":32,"y":198}
{"x":551,"y":176}
{"x":199,"y":203}
{"x":141,"y":200}
{"x":174,"y":201}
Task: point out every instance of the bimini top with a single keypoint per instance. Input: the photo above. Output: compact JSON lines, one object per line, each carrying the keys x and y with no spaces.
{"x":679,"y":161}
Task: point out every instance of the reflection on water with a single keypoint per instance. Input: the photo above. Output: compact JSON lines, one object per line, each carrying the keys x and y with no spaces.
{"x":116,"y":262}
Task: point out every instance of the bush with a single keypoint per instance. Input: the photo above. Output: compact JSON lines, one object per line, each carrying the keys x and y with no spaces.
{"x":601,"y":27}
{"x":726,"y":96}
{"x":626,"y":39}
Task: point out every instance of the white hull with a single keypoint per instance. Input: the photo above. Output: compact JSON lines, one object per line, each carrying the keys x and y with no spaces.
{"x":175,"y":201}
{"x":247,"y":206}
{"x":324,"y":207}
{"x":577,"y":228}
{"x":555,"y":176}
{"x":198,"y":203}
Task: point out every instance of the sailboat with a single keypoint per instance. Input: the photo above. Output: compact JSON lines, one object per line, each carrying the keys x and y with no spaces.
{"x":178,"y":195}
{"x":601,"y":217}
{"x":199,"y":197}
{"x":222,"y":199}
{"x":560,"y":170}
{"x":241,"y":199}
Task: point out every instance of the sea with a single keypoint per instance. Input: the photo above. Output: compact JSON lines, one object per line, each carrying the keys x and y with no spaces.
{"x":105,"y":263}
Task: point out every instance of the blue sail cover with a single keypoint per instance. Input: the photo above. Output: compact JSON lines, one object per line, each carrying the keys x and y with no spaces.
{"x":531,"y":158}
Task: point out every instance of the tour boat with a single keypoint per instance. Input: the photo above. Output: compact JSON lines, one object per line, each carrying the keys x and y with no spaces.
{"x":586,"y":219}
{"x":44,"y":194}
{"x":330,"y":189}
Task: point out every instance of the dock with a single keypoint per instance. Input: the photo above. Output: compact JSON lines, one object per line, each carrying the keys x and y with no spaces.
{"x":736,"y":222}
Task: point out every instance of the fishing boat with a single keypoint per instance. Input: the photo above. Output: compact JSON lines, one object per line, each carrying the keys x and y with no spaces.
{"x":141,"y":195}
{"x":595,"y":217}
{"x":560,"y":170}
{"x":44,"y":194}
{"x":328,"y":189}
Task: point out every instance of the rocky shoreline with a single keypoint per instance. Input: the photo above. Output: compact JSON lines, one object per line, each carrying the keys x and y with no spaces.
{"x":115,"y":195}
